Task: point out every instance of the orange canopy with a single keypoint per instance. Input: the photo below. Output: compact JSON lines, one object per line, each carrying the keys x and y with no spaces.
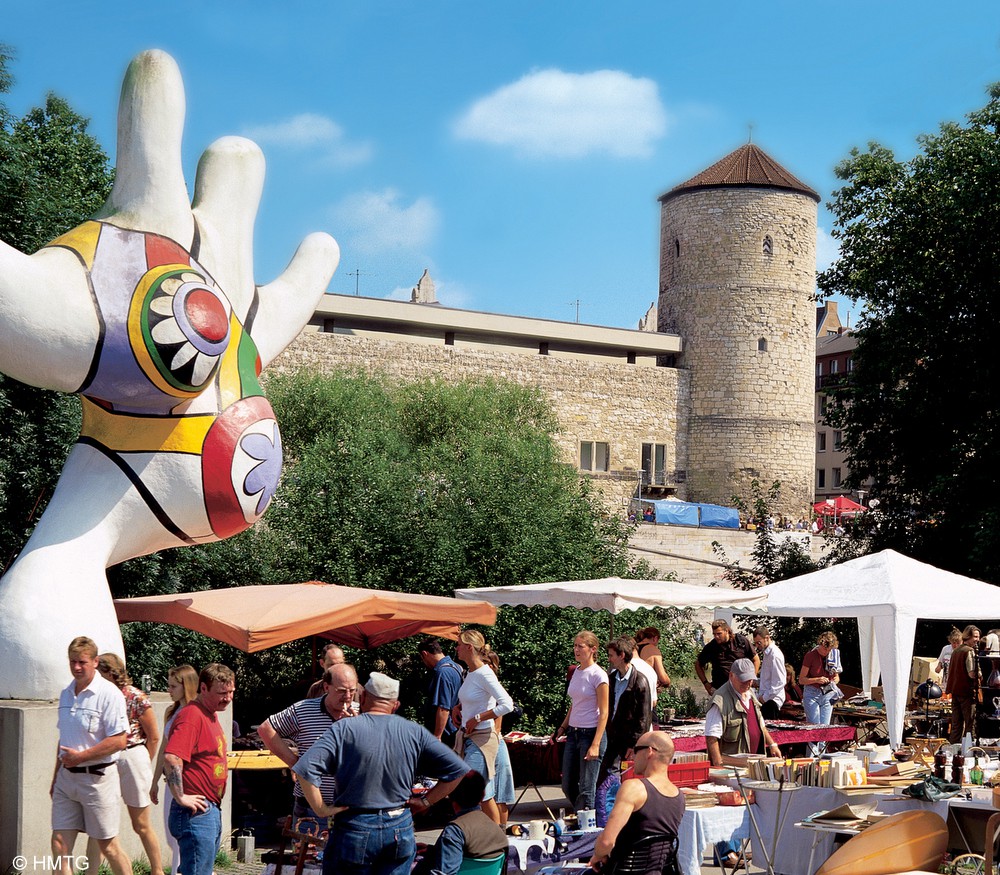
{"x":256,"y":617}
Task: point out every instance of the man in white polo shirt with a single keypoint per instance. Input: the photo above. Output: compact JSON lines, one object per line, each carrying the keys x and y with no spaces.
{"x":85,"y":791}
{"x":771,"y":686}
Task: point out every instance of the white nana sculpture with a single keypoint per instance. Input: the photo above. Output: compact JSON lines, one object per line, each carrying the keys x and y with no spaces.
{"x":150,"y":312}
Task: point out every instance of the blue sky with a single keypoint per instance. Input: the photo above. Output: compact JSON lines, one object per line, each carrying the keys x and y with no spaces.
{"x":515,"y":149}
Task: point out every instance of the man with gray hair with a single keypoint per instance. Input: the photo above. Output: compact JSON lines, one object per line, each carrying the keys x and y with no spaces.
{"x":305,"y":723}
{"x":375,"y":758}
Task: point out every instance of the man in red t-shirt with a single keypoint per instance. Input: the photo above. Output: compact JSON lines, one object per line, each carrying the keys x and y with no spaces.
{"x":196,"y":769}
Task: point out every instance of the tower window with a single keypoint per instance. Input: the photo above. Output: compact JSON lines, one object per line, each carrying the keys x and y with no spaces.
{"x":762,"y":344}
{"x":677,"y":248}
{"x":768,"y":245}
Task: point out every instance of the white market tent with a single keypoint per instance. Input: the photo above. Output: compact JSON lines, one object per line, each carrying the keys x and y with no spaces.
{"x":617,"y":594}
{"x":888,"y":593}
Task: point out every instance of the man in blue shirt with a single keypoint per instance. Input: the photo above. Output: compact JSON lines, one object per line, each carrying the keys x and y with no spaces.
{"x":442,"y":691}
{"x":375,"y":758}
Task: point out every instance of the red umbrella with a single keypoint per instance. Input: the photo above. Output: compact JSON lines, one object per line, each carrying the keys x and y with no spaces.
{"x":837,"y":507}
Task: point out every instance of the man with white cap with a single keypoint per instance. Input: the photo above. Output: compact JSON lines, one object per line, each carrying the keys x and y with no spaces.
{"x":375,"y":758}
{"x":734,"y":723}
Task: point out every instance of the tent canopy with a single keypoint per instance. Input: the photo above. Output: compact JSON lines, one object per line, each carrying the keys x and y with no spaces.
{"x":837,"y":507}
{"x":254,"y":618}
{"x":617,"y":594}
{"x":888,"y":593}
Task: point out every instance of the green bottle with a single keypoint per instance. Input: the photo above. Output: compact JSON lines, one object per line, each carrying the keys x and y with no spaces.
{"x":976,"y":773}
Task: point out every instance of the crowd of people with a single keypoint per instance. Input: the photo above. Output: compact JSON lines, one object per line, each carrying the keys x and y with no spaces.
{"x":357,"y":762}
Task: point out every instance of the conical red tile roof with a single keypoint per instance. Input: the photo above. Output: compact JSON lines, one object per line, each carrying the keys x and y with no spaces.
{"x":747,"y":166}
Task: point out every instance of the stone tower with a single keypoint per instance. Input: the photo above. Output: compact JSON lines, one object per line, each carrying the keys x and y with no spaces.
{"x":737,"y":269}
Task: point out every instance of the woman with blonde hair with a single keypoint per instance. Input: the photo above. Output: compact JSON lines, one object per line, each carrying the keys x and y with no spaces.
{"x":584,"y":724}
{"x":481,"y":699}
{"x":182,"y":684}
{"x":135,"y":764}
{"x":819,"y":676}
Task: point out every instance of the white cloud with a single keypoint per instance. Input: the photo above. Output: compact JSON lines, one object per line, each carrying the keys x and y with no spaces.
{"x":315,"y":133}
{"x":378,"y":221}
{"x":827,"y":249}
{"x":551,"y":113}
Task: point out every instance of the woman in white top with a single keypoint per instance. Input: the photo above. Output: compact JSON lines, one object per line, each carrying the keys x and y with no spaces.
{"x":481,"y":699}
{"x":584,"y":724}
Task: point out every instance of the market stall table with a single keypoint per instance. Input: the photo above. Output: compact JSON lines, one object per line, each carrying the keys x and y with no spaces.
{"x":783,"y":734}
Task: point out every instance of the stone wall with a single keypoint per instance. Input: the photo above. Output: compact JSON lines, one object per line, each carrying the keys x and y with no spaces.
{"x":688,"y":551}
{"x":745,"y":314}
{"x":620,"y":404}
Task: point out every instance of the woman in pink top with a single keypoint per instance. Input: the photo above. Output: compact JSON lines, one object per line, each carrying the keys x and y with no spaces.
{"x":584,"y":724}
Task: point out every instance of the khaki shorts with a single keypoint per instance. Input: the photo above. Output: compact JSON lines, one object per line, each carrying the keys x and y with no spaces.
{"x":87,"y":803}
{"x":135,"y":771}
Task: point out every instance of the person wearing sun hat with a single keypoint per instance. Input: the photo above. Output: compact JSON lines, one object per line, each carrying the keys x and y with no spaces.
{"x":734,"y":723}
{"x":375,"y":758}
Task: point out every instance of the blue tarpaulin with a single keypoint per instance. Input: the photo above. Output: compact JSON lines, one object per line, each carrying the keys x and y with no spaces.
{"x":684,"y":513}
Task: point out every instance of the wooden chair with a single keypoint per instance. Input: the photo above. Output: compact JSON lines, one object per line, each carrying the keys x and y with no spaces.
{"x":305,"y":840}
{"x":904,"y":842}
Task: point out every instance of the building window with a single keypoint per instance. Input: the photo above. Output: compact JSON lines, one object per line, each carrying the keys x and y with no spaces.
{"x":449,"y":338}
{"x":850,"y":365}
{"x":593,"y":456}
{"x":838,"y":437}
{"x":543,"y":347}
{"x":834,"y":366}
{"x":836,"y":478}
{"x":819,"y":369}
{"x":768,"y":245}
{"x":762,"y":344}
{"x":821,"y":442}
{"x":820,"y":478}
{"x":677,"y":248}
{"x":822,"y":405}
{"x":654,"y":464}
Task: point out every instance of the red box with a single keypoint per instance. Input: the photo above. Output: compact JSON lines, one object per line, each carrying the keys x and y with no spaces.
{"x":689,"y":774}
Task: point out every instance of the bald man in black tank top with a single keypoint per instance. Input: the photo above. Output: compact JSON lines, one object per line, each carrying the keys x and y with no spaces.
{"x":650,"y":804}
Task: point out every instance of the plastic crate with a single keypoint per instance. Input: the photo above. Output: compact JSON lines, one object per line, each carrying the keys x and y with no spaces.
{"x":689,"y":774}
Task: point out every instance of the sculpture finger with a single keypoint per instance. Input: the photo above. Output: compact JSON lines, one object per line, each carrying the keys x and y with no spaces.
{"x":48,"y":327}
{"x":149,"y":193}
{"x":288,"y":303}
{"x":227,"y":192}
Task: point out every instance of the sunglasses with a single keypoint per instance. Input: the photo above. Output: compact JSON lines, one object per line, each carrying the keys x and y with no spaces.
{"x":651,"y":747}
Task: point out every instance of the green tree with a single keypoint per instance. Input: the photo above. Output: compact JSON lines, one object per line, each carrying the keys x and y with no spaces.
{"x":918,"y":243}
{"x":53,"y":175}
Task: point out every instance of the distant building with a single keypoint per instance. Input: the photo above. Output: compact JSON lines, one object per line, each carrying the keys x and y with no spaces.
{"x":717,"y":391}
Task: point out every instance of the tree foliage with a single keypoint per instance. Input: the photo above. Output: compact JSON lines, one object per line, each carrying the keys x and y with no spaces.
{"x":53,"y":175}
{"x":919,"y":247}
{"x":423,"y":487}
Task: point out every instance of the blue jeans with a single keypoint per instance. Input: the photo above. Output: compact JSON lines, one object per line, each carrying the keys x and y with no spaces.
{"x":370,"y":843}
{"x":198,"y":837}
{"x":819,"y":709}
{"x":579,"y":775}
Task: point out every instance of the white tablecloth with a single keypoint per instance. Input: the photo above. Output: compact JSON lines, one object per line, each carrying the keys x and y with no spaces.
{"x":703,"y":827}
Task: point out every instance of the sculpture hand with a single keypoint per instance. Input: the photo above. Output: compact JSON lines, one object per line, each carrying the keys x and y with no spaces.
{"x":46,"y":295}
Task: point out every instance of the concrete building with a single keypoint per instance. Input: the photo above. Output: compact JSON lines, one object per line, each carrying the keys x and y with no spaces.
{"x":713,"y":392}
